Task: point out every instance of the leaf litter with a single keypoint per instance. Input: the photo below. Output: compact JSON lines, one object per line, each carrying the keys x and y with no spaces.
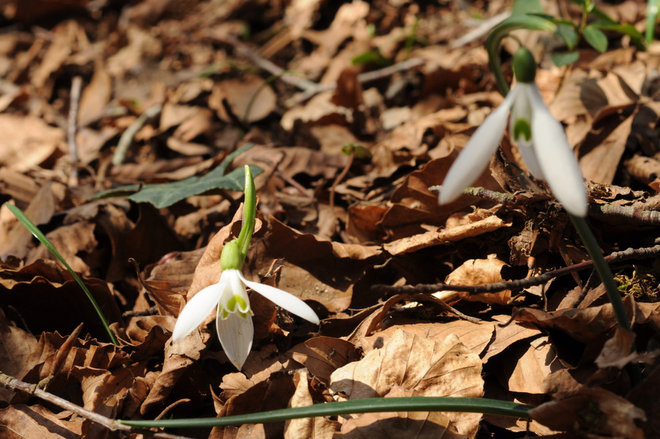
{"x":301,"y":81}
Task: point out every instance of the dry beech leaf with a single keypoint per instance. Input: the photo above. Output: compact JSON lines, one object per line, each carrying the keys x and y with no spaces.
{"x":323,"y":355}
{"x":27,"y":141}
{"x":17,"y":349}
{"x":307,"y":428}
{"x":480,"y":272}
{"x":584,"y":325}
{"x":617,"y":351}
{"x":417,"y":425}
{"x":475,"y":336}
{"x":592,"y":411}
{"x":537,"y":363}
{"x":506,"y":335}
{"x":249,"y":98}
{"x":95,"y":96}
{"x":20,"y":421}
{"x":423,"y":367}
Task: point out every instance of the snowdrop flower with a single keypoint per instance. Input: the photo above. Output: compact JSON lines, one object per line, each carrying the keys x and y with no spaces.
{"x":540,"y":138}
{"x":229,"y":297}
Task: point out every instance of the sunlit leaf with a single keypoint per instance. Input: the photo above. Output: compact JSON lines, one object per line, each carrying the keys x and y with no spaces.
{"x":561,"y":59}
{"x":596,"y":38}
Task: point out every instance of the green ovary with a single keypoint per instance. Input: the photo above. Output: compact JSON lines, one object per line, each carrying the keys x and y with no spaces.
{"x":521,"y":128}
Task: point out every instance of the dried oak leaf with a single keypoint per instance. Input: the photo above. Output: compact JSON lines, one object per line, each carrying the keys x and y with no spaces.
{"x":421,"y":366}
{"x":595,"y":412}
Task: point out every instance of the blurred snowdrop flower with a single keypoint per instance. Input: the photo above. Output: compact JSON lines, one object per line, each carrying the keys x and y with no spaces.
{"x":229,"y":297}
{"x":540,"y":138}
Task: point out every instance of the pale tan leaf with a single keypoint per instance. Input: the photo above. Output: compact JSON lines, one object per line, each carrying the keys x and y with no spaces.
{"x":424,"y":367}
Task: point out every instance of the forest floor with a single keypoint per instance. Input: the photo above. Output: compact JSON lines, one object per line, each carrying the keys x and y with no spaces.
{"x":353,"y":112}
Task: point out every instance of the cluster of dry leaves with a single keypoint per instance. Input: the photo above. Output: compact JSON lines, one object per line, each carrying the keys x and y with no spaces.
{"x":344,"y":205}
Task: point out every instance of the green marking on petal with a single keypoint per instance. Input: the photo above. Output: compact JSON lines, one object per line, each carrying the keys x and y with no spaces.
{"x":522,"y":128}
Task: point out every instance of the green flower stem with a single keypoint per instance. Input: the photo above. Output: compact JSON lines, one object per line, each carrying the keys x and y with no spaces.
{"x":249,"y":212}
{"x":651,"y":17}
{"x":368,"y":405}
{"x":500,"y":31}
{"x":603,"y":270}
{"x":28,"y":224}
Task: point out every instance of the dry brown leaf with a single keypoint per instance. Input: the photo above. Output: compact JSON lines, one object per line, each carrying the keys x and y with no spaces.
{"x":141,"y":46}
{"x":480,"y":272}
{"x":64,"y":36}
{"x":307,"y":428}
{"x":15,"y":238}
{"x":27,"y":141}
{"x":601,"y":153}
{"x":537,"y":363}
{"x":96,"y":96}
{"x":323,"y":355}
{"x":70,"y":241}
{"x":42,"y":292}
{"x":20,"y":421}
{"x":584,"y":325}
{"x":417,"y":425}
{"x":507,"y":333}
{"x":249,"y":98}
{"x":617,"y":351}
{"x":436,"y":237}
{"x":592,"y":411}
{"x":348,"y":22}
{"x":17,"y":348}
{"x":475,"y":336}
{"x":170,"y":278}
{"x":424,"y":367}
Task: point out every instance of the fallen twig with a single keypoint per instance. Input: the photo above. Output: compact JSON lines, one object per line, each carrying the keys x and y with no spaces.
{"x":639,"y":253}
{"x":12,"y":383}
{"x":72,"y":128}
{"x":650,"y":217}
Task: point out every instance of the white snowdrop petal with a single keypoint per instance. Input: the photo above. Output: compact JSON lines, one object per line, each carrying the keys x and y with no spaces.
{"x":235,"y":334}
{"x":556,"y":160}
{"x":474,"y":158}
{"x":197,"y":309}
{"x":283,"y":299}
{"x":526,"y":150}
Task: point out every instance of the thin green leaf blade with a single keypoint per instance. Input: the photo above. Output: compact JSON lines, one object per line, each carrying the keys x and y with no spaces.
{"x":28,"y":224}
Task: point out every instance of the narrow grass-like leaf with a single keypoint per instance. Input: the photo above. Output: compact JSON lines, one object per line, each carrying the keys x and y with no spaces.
{"x":367,"y":405}
{"x":28,"y":224}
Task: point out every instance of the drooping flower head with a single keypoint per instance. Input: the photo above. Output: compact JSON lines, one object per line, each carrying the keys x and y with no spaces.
{"x":229,"y":295}
{"x":540,"y":138}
